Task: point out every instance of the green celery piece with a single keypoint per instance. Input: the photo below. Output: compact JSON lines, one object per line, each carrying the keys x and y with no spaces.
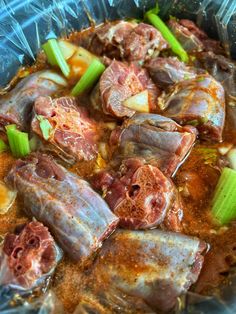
{"x":89,"y":78}
{"x":152,"y":17}
{"x":18,"y":141}
{"x":3,"y":146}
{"x":45,"y":127}
{"x":23,"y":142}
{"x":224,"y":199}
{"x":10,"y":127}
{"x":55,"y":56}
{"x":11,"y":139}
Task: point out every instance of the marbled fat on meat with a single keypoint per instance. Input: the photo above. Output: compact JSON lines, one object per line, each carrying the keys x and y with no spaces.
{"x":141,"y":196}
{"x":74,"y":135}
{"x":28,"y":256}
{"x":121,"y":81}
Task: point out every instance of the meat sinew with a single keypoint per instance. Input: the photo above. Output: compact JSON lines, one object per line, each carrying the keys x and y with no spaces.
{"x":119,"y":82}
{"x":141,"y":196}
{"x":159,"y":140}
{"x":126,"y":40}
{"x":77,"y":216}
{"x":28,"y":256}
{"x":16,"y":106}
{"x":193,"y":38}
{"x":168,"y":71}
{"x":143,"y":271}
{"x":73,"y":134}
{"x":199,"y":101}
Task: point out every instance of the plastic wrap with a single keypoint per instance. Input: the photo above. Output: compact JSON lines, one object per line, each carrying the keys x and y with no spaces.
{"x":26,"y":24}
{"x":47,"y":304}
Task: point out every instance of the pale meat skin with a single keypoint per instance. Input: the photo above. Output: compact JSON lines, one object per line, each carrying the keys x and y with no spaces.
{"x":76,"y":215}
{"x":199,"y":101}
{"x":16,"y":106}
{"x":141,"y":272}
{"x":159,"y":140}
{"x":73,"y":135}
{"x":28,"y":257}
{"x":168,"y":71}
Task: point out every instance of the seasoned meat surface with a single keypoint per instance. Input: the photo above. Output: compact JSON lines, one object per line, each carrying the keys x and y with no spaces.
{"x":141,"y":271}
{"x":77,"y":216}
{"x":159,"y":140}
{"x":143,"y":42}
{"x":192,"y":38}
{"x":125,"y":40}
{"x":121,"y":81}
{"x":16,"y":106}
{"x":73,"y":134}
{"x":199,"y":101}
{"x":28,"y":256}
{"x":221,"y":68}
{"x":168,"y":71}
{"x":141,"y":196}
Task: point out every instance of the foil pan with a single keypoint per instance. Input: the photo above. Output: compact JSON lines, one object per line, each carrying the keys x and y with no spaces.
{"x":26,"y":24}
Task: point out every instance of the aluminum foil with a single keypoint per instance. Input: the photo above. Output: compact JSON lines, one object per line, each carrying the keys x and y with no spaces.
{"x":26,"y":24}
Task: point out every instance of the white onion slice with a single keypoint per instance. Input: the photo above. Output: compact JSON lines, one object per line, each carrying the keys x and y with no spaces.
{"x":7,"y":198}
{"x":80,"y":61}
{"x":138,"y":102}
{"x":100,"y":164}
{"x":232,"y":158}
{"x":67,"y":48}
{"x":111,"y":125}
{"x":55,"y":77}
{"x":224,"y":149}
{"x":103,"y":150}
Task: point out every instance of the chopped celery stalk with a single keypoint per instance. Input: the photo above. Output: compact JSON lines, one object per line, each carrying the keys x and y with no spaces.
{"x":11,"y":139}
{"x":55,"y":56}
{"x":175,"y":45}
{"x":18,"y":141}
{"x":89,"y":78}
{"x":224,"y":199}
{"x":23,"y":142}
{"x":3,"y":146}
{"x":45,"y":127}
